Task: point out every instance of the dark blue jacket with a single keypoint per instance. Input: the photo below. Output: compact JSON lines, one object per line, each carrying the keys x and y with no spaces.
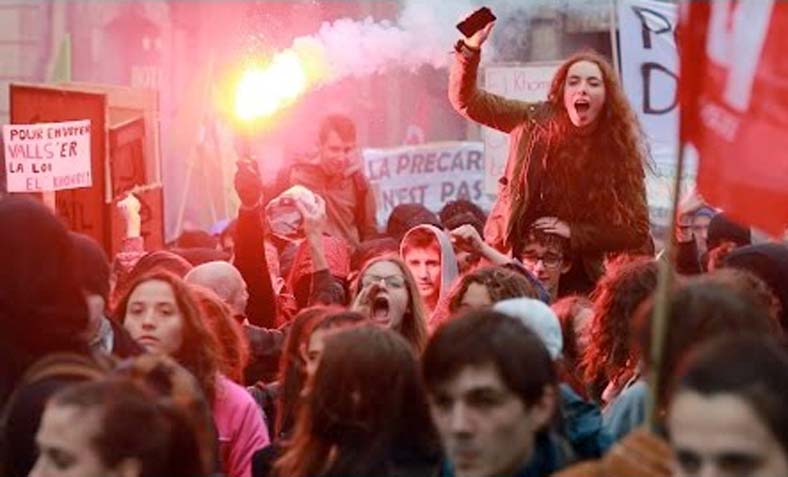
{"x":583,"y":425}
{"x":548,"y":457}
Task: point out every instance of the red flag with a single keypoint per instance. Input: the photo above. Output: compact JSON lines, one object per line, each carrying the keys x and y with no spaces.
{"x":734,"y":105}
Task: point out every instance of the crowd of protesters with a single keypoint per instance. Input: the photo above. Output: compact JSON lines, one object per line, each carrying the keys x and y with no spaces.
{"x":301,"y":341}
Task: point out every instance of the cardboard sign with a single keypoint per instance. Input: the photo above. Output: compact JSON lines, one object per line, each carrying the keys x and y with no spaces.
{"x":427,"y":174}
{"x":83,"y":208}
{"x":47,"y":156}
{"x":527,"y":83}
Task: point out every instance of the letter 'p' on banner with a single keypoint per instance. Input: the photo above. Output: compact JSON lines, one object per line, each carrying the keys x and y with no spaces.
{"x":734,"y":105}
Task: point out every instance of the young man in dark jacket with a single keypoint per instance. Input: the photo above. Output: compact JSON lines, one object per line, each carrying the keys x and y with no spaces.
{"x":336,"y":175}
{"x":493,"y":414}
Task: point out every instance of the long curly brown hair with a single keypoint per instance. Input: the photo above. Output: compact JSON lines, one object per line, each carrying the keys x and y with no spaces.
{"x":609,"y":357}
{"x":605,"y":166}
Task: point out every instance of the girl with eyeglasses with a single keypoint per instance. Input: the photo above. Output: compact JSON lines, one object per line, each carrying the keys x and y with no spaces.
{"x":387,"y":292}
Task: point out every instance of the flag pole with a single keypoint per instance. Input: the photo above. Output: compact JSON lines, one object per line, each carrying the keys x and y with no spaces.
{"x":60,"y":73}
{"x":613,"y":36}
{"x":659,"y":319}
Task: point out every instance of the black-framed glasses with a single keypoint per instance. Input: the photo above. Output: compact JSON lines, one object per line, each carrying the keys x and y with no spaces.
{"x":549,"y":259}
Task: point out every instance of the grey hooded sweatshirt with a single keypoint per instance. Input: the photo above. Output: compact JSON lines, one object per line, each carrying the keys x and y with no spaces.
{"x":449,"y":269}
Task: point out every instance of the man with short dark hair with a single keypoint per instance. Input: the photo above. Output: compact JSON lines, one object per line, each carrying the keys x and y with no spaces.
{"x":544,"y":255}
{"x":336,"y":175}
{"x":491,"y":410}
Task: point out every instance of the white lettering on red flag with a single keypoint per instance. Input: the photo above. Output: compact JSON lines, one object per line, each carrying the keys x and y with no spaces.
{"x":734,"y":99}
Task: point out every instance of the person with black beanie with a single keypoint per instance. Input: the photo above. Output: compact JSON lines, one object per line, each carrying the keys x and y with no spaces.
{"x":769,"y":261}
{"x":93,"y":271}
{"x":43,"y":313}
{"x":42,"y":308}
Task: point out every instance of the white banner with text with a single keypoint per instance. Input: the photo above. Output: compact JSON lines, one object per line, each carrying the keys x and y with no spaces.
{"x":428,"y":174}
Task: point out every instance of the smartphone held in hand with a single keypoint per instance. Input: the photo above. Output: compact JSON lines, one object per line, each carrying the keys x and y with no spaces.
{"x":478,"y":20}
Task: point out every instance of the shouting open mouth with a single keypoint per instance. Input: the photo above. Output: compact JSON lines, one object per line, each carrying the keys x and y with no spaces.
{"x":582,"y":106}
{"x":380,"y":310}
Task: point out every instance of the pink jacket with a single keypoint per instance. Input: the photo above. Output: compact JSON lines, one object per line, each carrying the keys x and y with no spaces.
{"x":239,"y":423}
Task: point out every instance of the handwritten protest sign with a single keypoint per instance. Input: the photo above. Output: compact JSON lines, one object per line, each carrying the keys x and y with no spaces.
{"x":428,"y":174}
{"x":527,"y":83}
{"x":47,"y":156}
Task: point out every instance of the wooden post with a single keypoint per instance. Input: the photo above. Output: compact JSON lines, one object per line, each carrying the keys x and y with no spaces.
{"x":613,"y":36}
{"x":659,"y":320}
{"x":61,"y":72}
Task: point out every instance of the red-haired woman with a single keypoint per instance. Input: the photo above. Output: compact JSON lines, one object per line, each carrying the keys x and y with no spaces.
{"x":162,"y":315}
{"x":575,"y":166}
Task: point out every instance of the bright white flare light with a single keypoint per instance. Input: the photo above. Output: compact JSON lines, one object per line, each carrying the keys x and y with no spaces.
{"x":263,"y":91}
